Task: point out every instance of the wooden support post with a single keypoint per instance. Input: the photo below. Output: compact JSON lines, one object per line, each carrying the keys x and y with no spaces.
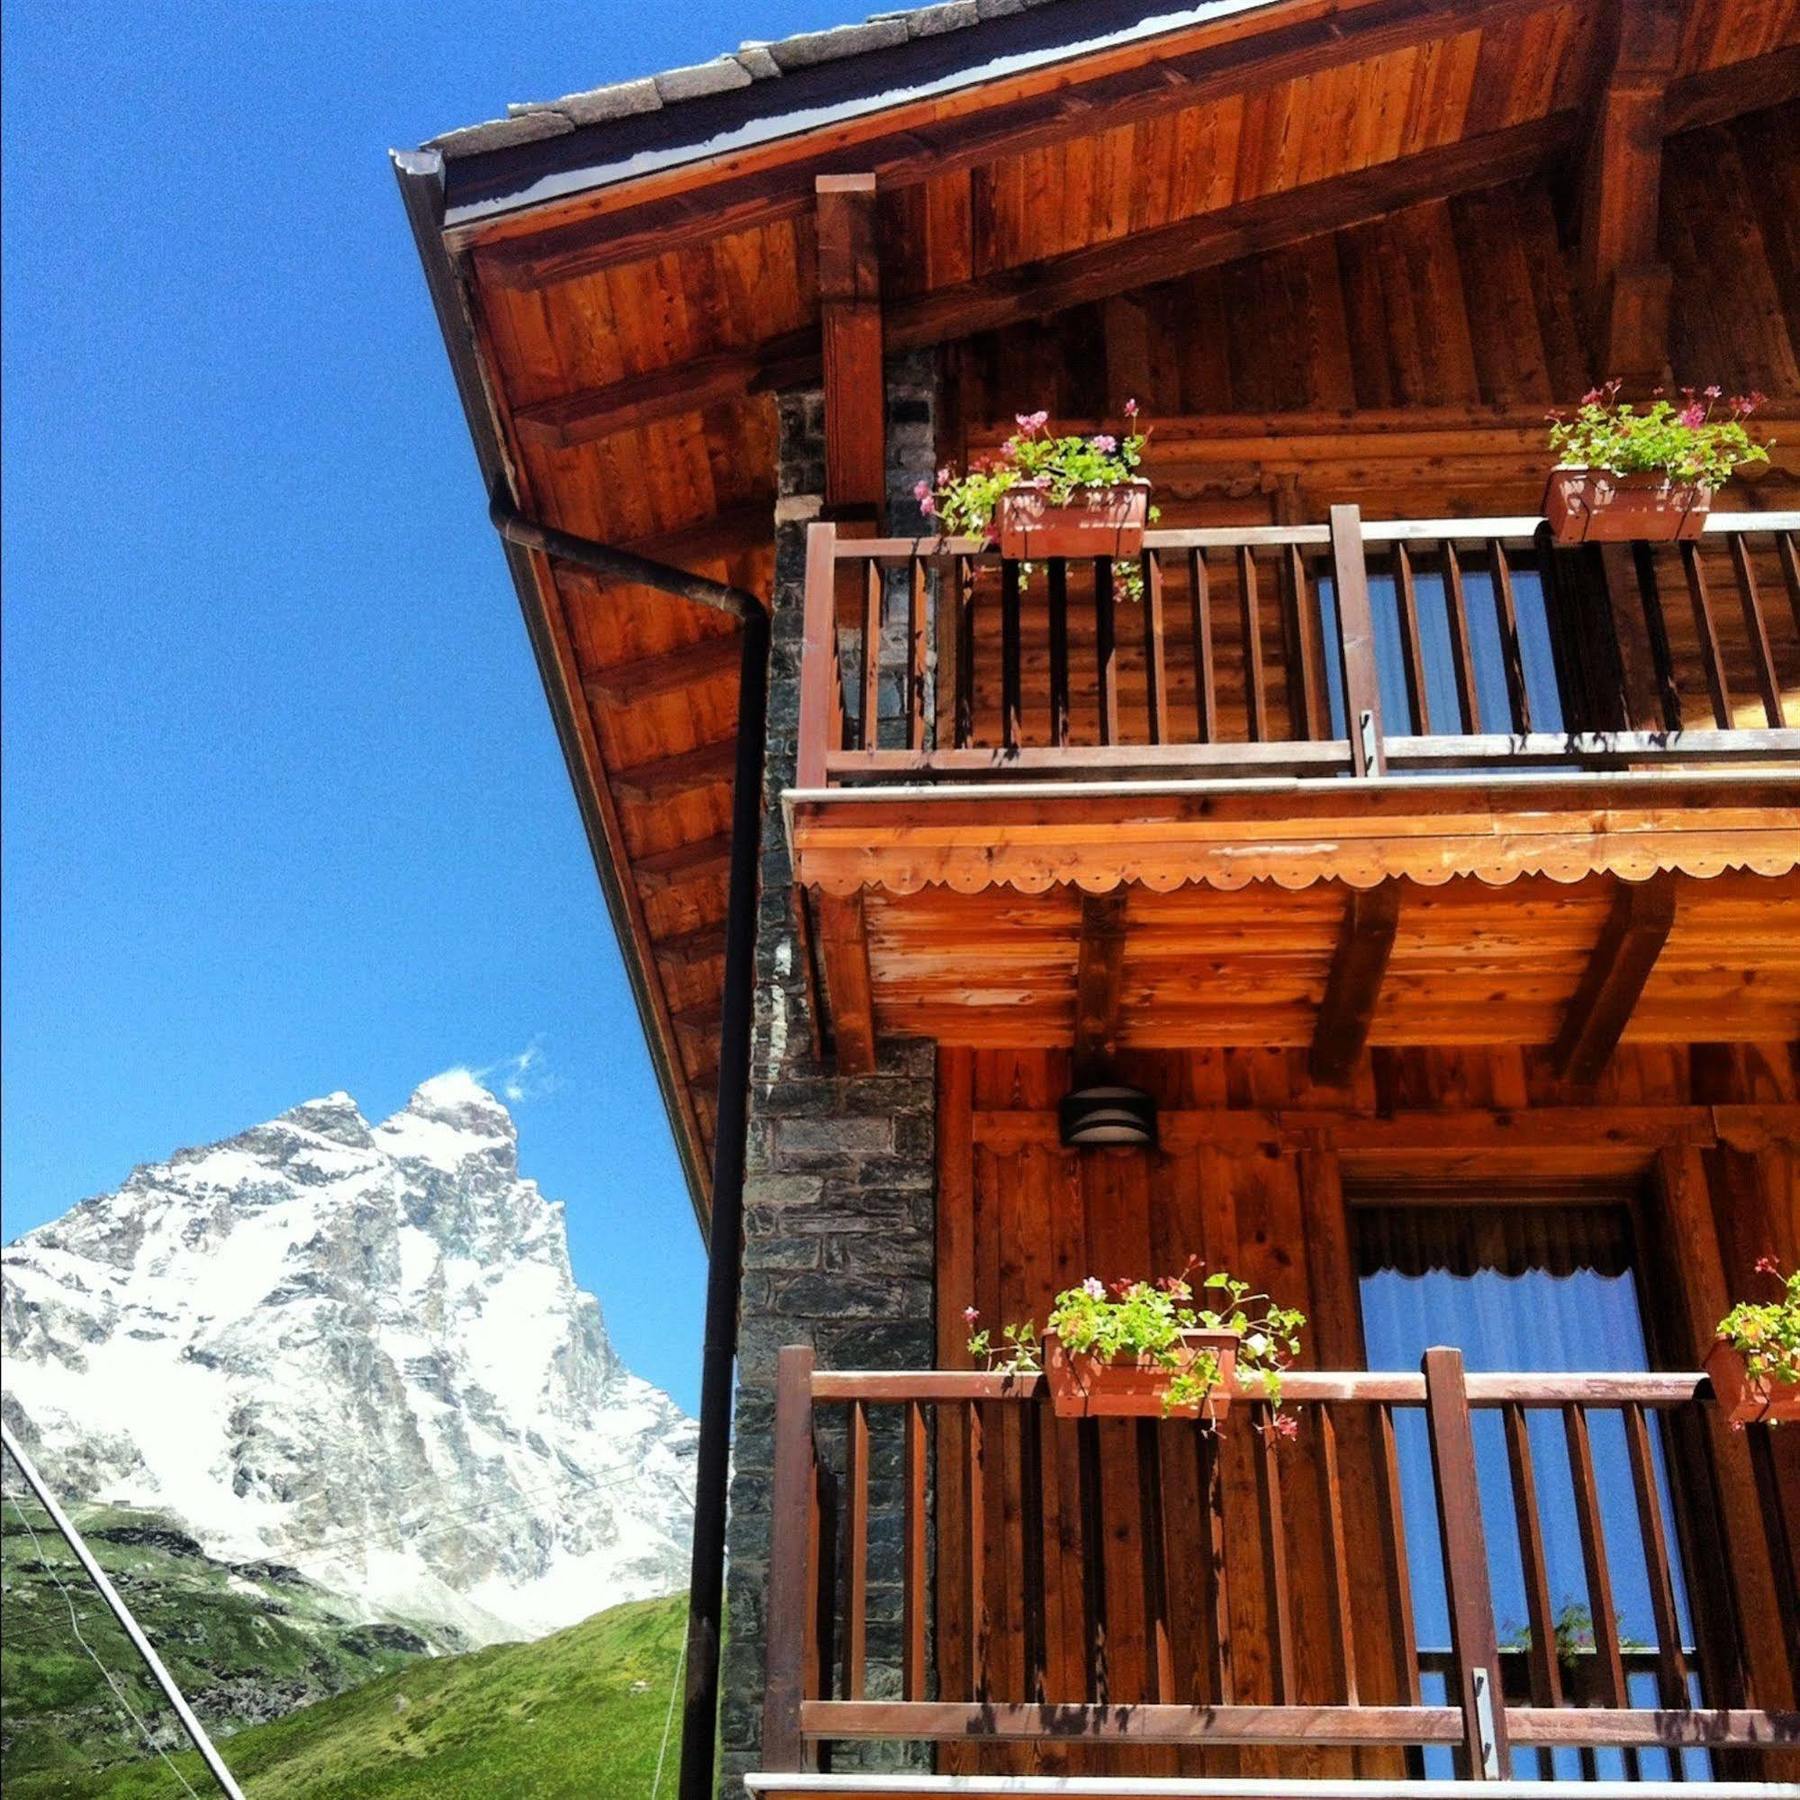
{"x":1356,"y":642}
{"x":819,"y":677}
{"x":791,"y":1574}
{"x":1100,"y":959}
{"x":1472,"y":1638}
{"x":1365,"y":941}
{"x":843,"y":941}
{"x":1632,"y":938}
{"x":1624,"y":282}
{"x":850,"y":340}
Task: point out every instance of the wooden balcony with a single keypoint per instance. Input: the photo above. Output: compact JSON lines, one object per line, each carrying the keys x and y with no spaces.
{"x":991,"y":756}
{"x":953,"y":1565}
{"x":1348,"y":649}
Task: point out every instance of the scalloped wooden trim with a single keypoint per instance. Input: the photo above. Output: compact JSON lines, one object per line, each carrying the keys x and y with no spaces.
{"x":1430,"y":861}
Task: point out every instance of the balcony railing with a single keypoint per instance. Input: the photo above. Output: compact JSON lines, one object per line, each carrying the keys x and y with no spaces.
{"x":999,"y":1576}
{"x":1345,"y":649}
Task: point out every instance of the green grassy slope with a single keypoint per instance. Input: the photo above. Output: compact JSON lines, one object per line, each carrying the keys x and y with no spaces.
{"x":577,"y":1714}
{"x":245,"y":1642}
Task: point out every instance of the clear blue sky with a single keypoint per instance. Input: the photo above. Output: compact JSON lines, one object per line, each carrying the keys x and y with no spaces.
{"x":283,"y":810}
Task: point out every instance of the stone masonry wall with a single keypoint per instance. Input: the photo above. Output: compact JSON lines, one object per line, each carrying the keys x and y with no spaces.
{"x":840,"y":1188}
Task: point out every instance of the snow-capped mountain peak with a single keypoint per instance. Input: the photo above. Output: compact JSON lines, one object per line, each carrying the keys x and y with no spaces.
{"x":359,"y":1349}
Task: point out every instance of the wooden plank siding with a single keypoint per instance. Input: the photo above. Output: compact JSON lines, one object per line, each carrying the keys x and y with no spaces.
{"x":1032,"y":1218}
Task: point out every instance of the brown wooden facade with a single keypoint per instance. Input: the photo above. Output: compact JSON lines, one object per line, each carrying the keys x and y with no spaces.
{"x":1427,"y":922}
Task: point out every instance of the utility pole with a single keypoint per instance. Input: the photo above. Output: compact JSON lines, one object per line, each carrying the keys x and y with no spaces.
{"x":192,"y":1726}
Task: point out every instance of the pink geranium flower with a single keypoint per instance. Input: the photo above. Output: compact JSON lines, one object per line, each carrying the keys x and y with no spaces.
{"x":1103,"y":442}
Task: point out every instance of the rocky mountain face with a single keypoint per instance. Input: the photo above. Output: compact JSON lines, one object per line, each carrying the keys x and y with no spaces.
{"x":357,"y":1350}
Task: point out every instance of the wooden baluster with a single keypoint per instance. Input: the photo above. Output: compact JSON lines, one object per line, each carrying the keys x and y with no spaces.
{"x":1274,"y":1546}
{"x":1399,"y":1582}
{"x":1153,"y":1525}
{"x":1768,"y":683}
{"x":1356,"y":643}
{"x":1106,"y":660}
{"x":791,"y":1568}
{"x":1671,"y":1658}
{"x":1546,"y":1670}
{"x":1336,"y":1554}
{"x":1211,"y":1489}
{"x":1249,"y":613}
{"x":1593,"y":1555}
{"x":1512,"y":654}
{"x":1059,"y":652}
{"x":1031,"y":1532}
{"x":1564,"y":611}
{"x":914,"y":1560}
{"x":918,"y":658}
{"x":1711,"y":660}
{"x":818,"y":657}
{"x":825,"y":1560}
{"x":1093,"y":1559}
{"x":1471,"y":1601}
{"x":974,"y":1554}
{"x":1206,"y":720}
{"x":1156,"y":679}
{"x":1011,"y":701}
{"x":965,"y":652}
{"x":1462,"y":648}
{"x":1656,"y":626}
{"x":1306,"y":686}
{"x":856,"y":1551}
{"x":1787,"y":547}
{"x":871,"y":656}
{"x":1412,"y":645}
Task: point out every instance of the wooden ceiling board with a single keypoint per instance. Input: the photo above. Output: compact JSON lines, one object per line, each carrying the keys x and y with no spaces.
{"x":1471,"y":964}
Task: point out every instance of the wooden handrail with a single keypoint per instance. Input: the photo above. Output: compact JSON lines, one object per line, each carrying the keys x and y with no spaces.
{"x":1300,"y":1387}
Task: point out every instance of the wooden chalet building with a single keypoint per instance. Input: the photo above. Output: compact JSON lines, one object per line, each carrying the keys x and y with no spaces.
{"x":1440,"y":887}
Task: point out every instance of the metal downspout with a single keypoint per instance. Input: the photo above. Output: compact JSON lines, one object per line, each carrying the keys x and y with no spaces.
{"x":420,"y":175}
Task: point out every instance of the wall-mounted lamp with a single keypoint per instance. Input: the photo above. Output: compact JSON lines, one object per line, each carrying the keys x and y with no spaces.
{"x":1095,"y":1118}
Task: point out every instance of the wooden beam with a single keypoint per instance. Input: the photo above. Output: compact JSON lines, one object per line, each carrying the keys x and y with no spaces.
{"x":1630,"y":942}
{"x":623,"y":684}
{"x":850,"y":347}
{"x":1625,"y":284}
{"x":734,"y":532}
{"x":704,"y":944}
{"x":684,"y":387}
{"x":842,"y":939}
{"x":652,"y":782}
{"x":1365,"y":942}
{"x":1100,"y":962}
{"x":1711,"y":96}
{"x":704,"y":857}
{"x":1214,"y":62}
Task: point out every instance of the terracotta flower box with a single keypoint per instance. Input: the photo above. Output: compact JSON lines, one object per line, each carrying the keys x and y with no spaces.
{"x":1594,"y":506}
{"x":1083,"y":1386}
{"x":1101,"y":521}
{"x":1745,"y":1400}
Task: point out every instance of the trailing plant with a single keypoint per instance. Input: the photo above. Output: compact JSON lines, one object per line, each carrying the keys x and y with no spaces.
{"x":1697,"y":441}
{"x":1766,"y":1333}
{"x":1574,"y":1635}
{"x":968,"y":505}
{"x":1147,"y":1319}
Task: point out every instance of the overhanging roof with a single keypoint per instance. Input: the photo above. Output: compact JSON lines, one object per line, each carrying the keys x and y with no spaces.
{"x":626,"y":277}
